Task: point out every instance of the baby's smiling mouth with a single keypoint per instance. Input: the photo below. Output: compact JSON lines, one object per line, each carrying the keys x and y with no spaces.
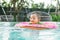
{"x":31,"y":22}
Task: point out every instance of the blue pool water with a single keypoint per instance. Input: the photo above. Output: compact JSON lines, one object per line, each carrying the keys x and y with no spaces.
{"x":9,"y":32}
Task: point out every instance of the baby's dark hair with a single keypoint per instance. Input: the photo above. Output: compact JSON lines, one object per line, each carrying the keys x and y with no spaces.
{"x":38,"y":13}
{"x":43,"y":16}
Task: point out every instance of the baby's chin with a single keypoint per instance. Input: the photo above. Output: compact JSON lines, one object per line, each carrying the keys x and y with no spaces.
{"x":33,"y":23}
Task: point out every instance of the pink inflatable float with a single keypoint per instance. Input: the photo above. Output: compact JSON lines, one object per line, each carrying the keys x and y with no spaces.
{"x":51,"y":25}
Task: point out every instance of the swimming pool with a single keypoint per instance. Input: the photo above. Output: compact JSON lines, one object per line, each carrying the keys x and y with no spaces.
{"x":9,"y":32}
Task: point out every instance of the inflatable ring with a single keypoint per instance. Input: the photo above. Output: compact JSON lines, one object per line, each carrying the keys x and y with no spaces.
{"x":46,"y":25}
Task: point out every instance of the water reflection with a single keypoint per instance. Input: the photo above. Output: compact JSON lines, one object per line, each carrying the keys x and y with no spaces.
{"x":9,"y":32}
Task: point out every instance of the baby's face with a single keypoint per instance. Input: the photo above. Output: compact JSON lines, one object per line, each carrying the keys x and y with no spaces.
{"x":34,"y":19}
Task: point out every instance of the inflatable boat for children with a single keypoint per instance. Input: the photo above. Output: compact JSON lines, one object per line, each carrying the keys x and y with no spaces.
{"x":45,"y":25}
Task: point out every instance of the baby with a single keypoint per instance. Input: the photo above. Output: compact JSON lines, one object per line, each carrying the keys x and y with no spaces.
{"x":35,"y":18}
